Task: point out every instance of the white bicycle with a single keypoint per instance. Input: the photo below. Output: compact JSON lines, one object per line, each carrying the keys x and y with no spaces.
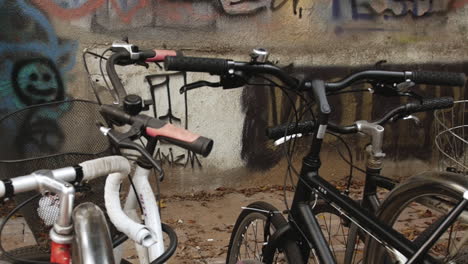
{"x":88,"y":240}
{"x":38,"y":132}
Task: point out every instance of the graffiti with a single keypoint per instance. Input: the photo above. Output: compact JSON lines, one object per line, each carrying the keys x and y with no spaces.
{"x":458,"y":3}
{"x":266,"y":108}
{"x":378,"y":15}
{"x":65,"y":9}
{"x":370,"y":10}
{"x":248,"y":7}
{"x":169,"y":13}
{"x":168,"y":154}
{"x":37,"y":81}
{"x":33,"y":59}
{"x":257,"y":149}
{"x":111,"y":15}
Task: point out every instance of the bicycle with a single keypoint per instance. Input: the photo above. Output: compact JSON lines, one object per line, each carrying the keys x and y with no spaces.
{"x":140,"y":125}
{"x":301,"y":234}
{"x":153,"y":129}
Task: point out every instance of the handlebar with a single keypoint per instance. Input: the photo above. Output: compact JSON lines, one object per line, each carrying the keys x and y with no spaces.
{"x":126,"y":54}
{"x":153,"y":127}
{"x":85,"y":171}
{"x":418,"y":77}
{"x":398,"y":112}
{"x":226,"y":67}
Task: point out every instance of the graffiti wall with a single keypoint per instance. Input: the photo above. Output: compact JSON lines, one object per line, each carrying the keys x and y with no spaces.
{"x":34,"y":59}
{"x":42,"y":40}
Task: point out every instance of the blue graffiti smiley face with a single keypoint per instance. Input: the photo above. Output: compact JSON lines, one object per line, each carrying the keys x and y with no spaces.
{"x":37,"y":81}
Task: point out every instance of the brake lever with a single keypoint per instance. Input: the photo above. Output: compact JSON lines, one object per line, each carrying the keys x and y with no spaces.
{"x":142,"y":63}
{"x":198,"y":84}
{"x":404,"y":86}
{"x":123,"y":141}
{"x":415,"y":119}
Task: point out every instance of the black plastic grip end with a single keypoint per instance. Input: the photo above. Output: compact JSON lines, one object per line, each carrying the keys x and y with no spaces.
{"x":439,"y":78}
{"x":202,"y":146}
{"x":194,"y":64}
{"x":79,"y":173}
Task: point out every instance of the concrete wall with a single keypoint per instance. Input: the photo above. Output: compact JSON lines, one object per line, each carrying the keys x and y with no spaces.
{"x":322,"y":38}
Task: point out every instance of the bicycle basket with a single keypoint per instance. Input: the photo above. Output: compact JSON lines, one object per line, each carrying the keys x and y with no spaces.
{"x":451,"y":137}
{"x":50,"y":136}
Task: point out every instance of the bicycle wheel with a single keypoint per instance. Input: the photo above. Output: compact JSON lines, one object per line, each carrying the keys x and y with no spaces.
{"x":415,"y":207}
{"x":31,"y":253}
{"x":248,"y":236}
{"x":343,"y":237}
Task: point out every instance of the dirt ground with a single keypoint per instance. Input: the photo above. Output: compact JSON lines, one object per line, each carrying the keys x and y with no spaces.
{"x":202,"y":220}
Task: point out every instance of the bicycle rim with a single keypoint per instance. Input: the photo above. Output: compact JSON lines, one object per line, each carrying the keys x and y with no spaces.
{"x":250,"y":231}
{"x":415,"y":214}
{"x":342,"y":236}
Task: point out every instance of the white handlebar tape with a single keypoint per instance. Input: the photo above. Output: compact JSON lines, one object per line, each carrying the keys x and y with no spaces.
{"x":2,"y":189}
{"x":117,"y":167}
{"x":135,"y":231}
{"x":104,"y":166}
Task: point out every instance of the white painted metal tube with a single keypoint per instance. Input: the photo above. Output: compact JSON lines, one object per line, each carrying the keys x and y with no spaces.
{"x":150,"y":210}
{"x":135,"y":231}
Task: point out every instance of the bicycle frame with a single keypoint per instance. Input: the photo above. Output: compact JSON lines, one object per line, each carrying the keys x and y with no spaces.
{"x":303,"y":224}
{"x":142,"y":194}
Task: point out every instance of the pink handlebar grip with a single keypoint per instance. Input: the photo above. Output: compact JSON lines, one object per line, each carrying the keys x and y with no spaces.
{"x":161,"y":55}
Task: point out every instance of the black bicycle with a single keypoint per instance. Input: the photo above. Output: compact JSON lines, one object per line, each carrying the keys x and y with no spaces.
{"x":262,"y":233}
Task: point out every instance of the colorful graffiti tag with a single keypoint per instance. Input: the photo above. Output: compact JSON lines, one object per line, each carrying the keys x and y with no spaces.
{"x":33,"y":58}
{"x":33,"y":63}
{"x":125,"y":9}
{"x":107,"y":14}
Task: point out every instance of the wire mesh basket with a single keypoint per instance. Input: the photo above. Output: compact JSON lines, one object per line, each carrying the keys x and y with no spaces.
{"x":451,"y":137}
{"x":50,"y":136}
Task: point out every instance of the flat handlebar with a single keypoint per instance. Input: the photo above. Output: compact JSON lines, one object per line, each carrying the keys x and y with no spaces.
{"x":403,"y":110}
{"x":225,"y":67}
{"x":122,"y":56}
{"x":154,"y":127}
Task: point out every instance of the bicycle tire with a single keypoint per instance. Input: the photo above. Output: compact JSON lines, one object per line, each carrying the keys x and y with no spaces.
{"x":343,"y":237}
{"x":290,"y":251}
{"x":32,"y":253}
{"x":428,"y":196}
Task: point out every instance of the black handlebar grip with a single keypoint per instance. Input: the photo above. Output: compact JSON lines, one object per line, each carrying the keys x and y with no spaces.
{"x":115,"y":114}
{"x":430,"y":104}
{"x":146,"y":54}
{"x":439,"y":78}
{"x":194,"y":64}
{"x":279,"y":131}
